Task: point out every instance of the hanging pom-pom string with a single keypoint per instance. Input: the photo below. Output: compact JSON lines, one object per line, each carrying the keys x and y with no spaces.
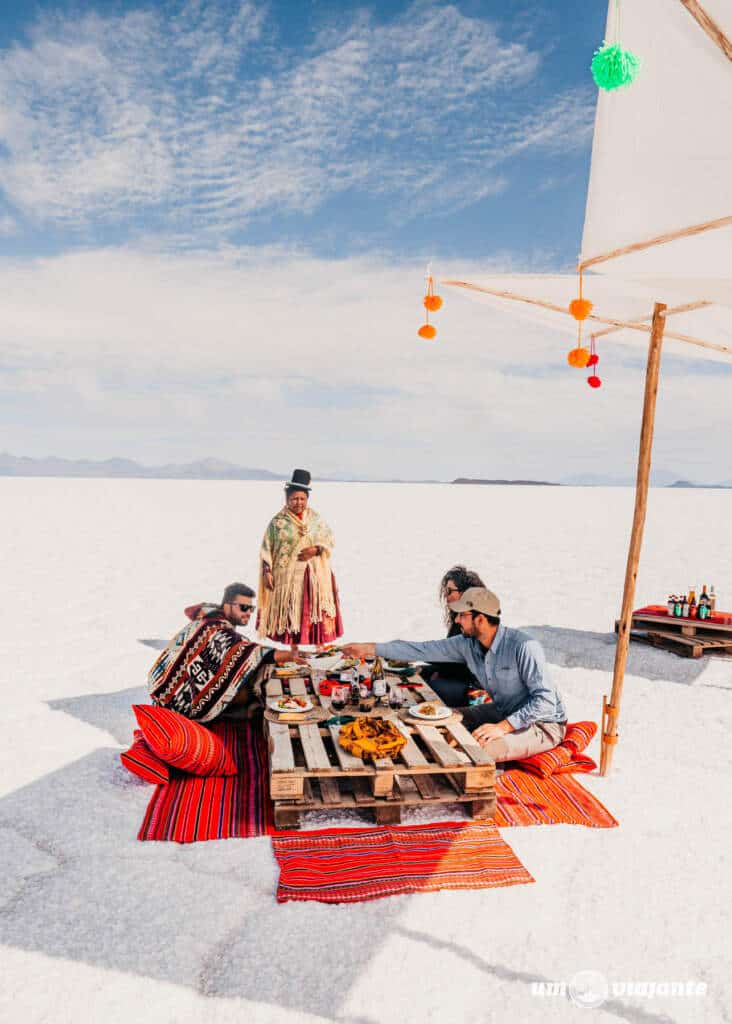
{"x":612,"y":66}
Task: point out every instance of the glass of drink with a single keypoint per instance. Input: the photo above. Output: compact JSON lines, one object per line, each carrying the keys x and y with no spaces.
{"x":338,"y":697}
{"x":395,"y":698}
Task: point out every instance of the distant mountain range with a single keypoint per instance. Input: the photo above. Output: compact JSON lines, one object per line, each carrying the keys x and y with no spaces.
{"x":204,"y":469}
{"x":217,"y":469}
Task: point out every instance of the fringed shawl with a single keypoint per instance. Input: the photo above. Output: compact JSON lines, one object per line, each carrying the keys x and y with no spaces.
{"x":280,"y":610}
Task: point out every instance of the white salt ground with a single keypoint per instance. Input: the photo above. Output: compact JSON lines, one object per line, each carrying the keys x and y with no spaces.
{"x":98,"y":927}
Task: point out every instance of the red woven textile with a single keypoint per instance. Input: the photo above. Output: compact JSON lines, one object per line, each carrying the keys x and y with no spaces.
{"x":525,"y":799}
{"x":351,"y":865}
{"x":141,"y":761}
{"x":192,"y":808}
{"x":183,"y":744}
{"x":567,"y":756}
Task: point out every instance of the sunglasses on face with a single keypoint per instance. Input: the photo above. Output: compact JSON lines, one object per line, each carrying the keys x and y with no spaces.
{"x":244,"y":607}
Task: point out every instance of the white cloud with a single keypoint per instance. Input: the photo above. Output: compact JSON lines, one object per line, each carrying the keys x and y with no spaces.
{"x":252,"y":357}
{"x":200,"y":117}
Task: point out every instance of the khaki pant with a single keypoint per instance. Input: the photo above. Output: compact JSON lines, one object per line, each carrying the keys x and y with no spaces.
{"x":525,"y":742}
{"x":514,"y":745}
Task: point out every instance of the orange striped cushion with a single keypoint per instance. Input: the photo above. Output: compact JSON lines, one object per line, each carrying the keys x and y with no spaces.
{"x":184,"y":744}
{"x":141,"y":761}
{"x":565,"y":757}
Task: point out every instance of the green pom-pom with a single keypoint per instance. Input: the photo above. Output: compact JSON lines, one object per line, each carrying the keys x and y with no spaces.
{"x":613,"y":67}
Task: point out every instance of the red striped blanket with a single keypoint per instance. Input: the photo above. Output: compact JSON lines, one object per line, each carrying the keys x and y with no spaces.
{"x":190,"y":808}
{"x":350,"y":865}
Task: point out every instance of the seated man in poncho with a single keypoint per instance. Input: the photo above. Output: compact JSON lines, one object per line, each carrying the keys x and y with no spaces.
{"x":208,"y":665}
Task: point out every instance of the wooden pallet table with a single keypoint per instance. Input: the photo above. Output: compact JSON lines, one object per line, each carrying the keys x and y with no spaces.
{"x":688,"y":638}
{"x":309,"y":770}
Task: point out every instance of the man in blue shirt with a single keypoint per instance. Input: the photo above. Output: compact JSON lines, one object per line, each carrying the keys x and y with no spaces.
{"x":525,"y":714}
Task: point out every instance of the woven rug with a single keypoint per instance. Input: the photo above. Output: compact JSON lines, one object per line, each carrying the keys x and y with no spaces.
{"x":526,"y":799}
{"x":351,"y":865}
{"x":189,"y":808}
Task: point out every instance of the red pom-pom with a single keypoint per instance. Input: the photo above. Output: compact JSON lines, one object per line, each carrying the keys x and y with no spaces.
{"x":594,"y":381}
{"x":593,"y":360}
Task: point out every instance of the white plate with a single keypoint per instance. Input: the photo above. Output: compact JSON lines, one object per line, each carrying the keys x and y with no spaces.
{"x":440,"y":712}
{"x":325,"y":664}
{"x":273,"y":703}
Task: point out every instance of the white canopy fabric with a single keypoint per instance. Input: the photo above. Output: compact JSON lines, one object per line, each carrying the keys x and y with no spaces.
{"x":612,"y":299}
{"x":662,"y":155}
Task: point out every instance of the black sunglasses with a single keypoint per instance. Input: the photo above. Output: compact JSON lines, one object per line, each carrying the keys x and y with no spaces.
{"x":244,"y":607}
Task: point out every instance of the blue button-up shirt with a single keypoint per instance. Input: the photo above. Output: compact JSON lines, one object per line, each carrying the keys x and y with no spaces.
{"x":513,"y":670}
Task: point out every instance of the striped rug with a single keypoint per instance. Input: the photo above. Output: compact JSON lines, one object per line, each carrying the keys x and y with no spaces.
{"x":191,"y":808}
{"x":351,"y":865}
{"x":526,"y":799}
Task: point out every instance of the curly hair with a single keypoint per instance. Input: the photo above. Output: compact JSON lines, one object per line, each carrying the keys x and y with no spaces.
{"x":462,"y":578}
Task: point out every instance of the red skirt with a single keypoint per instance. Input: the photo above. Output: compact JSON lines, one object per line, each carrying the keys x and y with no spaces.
{"x":323,"y":632}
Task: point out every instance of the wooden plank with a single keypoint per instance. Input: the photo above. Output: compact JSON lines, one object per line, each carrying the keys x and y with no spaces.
{"x":282,"y":758}
{"x":388,"y":814}
{"x":361,"y":790}
{"x":446,"y":755}
{"x":286,"y":817}
{"x":470,"y":745}
{"x":316,"y":756}
{"x":346,"y":760}
{"x":298,"y":687}
{"x":330,"y":791}
{"x":674,"y":622}
{"x":425,"y":786}
{"x":482,"y":809}
{"x":273,"y":688}
{"x":382,"y":782}
{"x":410,"y":753}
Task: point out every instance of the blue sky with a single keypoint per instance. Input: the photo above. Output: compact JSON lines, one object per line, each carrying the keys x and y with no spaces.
{"x":215,"y":213}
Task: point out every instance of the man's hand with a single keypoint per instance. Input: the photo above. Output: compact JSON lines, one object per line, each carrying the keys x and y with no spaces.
{"x":359,"y":651}
{"x":268,"y":579}
{"x":282,"y":657}
{"x":491,"y":731}
{"x":307,"y":553}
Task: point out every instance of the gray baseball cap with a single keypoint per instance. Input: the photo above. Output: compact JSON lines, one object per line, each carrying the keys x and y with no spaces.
{"x":477,"y":599}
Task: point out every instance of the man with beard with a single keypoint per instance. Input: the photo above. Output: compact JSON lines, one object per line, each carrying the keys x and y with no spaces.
{"x":208,"y":666}
{"x":525,"y":714}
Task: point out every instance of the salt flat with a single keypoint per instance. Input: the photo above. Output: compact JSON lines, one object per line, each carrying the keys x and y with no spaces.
{"x":96,"y":926}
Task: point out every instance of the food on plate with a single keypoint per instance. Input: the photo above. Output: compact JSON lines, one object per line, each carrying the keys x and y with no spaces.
{"x":427,"y":709}
{"x":398,"y":664}
{"x":293,"y":704}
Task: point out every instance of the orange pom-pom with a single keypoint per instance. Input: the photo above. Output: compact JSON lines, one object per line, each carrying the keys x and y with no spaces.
{"x":427,"y":331}
{"x":580,"y":308}
{"x":432,"y":303}
{"x":579,"y":357}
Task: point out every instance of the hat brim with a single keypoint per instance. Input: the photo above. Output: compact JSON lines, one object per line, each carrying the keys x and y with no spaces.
{"x":298,"y":487}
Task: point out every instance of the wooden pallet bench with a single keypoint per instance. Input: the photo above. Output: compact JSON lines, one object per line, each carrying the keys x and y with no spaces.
{"x":688,"y":638}
{"x":309,"y":770}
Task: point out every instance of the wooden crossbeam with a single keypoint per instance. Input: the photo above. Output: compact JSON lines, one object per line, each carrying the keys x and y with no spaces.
{"x":708,"y":25}
{"x":542,"y":304}
{"x":669,"y":236}
{"x":688,"y":307}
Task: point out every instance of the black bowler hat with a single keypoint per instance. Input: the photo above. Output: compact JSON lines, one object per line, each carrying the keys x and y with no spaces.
{"x":300,"y":480}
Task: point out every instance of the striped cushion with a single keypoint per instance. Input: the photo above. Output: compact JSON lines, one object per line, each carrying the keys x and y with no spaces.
{"x":182,"y":743}
{"x":566,"y":757}
{"x":141,"y":761}
{"x":579,"y":735}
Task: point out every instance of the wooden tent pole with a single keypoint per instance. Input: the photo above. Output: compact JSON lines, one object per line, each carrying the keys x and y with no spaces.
{"x":611,"y":710}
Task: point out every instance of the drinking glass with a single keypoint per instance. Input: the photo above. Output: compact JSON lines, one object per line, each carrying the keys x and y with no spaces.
{"x":395,"y":698}
{"x":338,"y":697}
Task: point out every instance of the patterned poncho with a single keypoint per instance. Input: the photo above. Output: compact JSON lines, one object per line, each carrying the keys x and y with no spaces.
{"x":204,"y":666}
{"x":280,"y":610}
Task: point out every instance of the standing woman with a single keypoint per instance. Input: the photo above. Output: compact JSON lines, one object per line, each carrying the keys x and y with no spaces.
{"x":298,"y":597}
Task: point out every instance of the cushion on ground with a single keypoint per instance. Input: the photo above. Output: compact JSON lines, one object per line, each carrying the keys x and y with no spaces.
{"x":565,"y":757}
{"x":141,"y":761}
{"x":184,"y":744}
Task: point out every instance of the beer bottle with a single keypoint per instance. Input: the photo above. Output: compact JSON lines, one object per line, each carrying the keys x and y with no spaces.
{"x":712,"y":599}
{"x":704,"y":603}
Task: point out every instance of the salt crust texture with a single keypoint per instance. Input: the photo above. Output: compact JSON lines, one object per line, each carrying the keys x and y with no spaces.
{"x":98,"y":927}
